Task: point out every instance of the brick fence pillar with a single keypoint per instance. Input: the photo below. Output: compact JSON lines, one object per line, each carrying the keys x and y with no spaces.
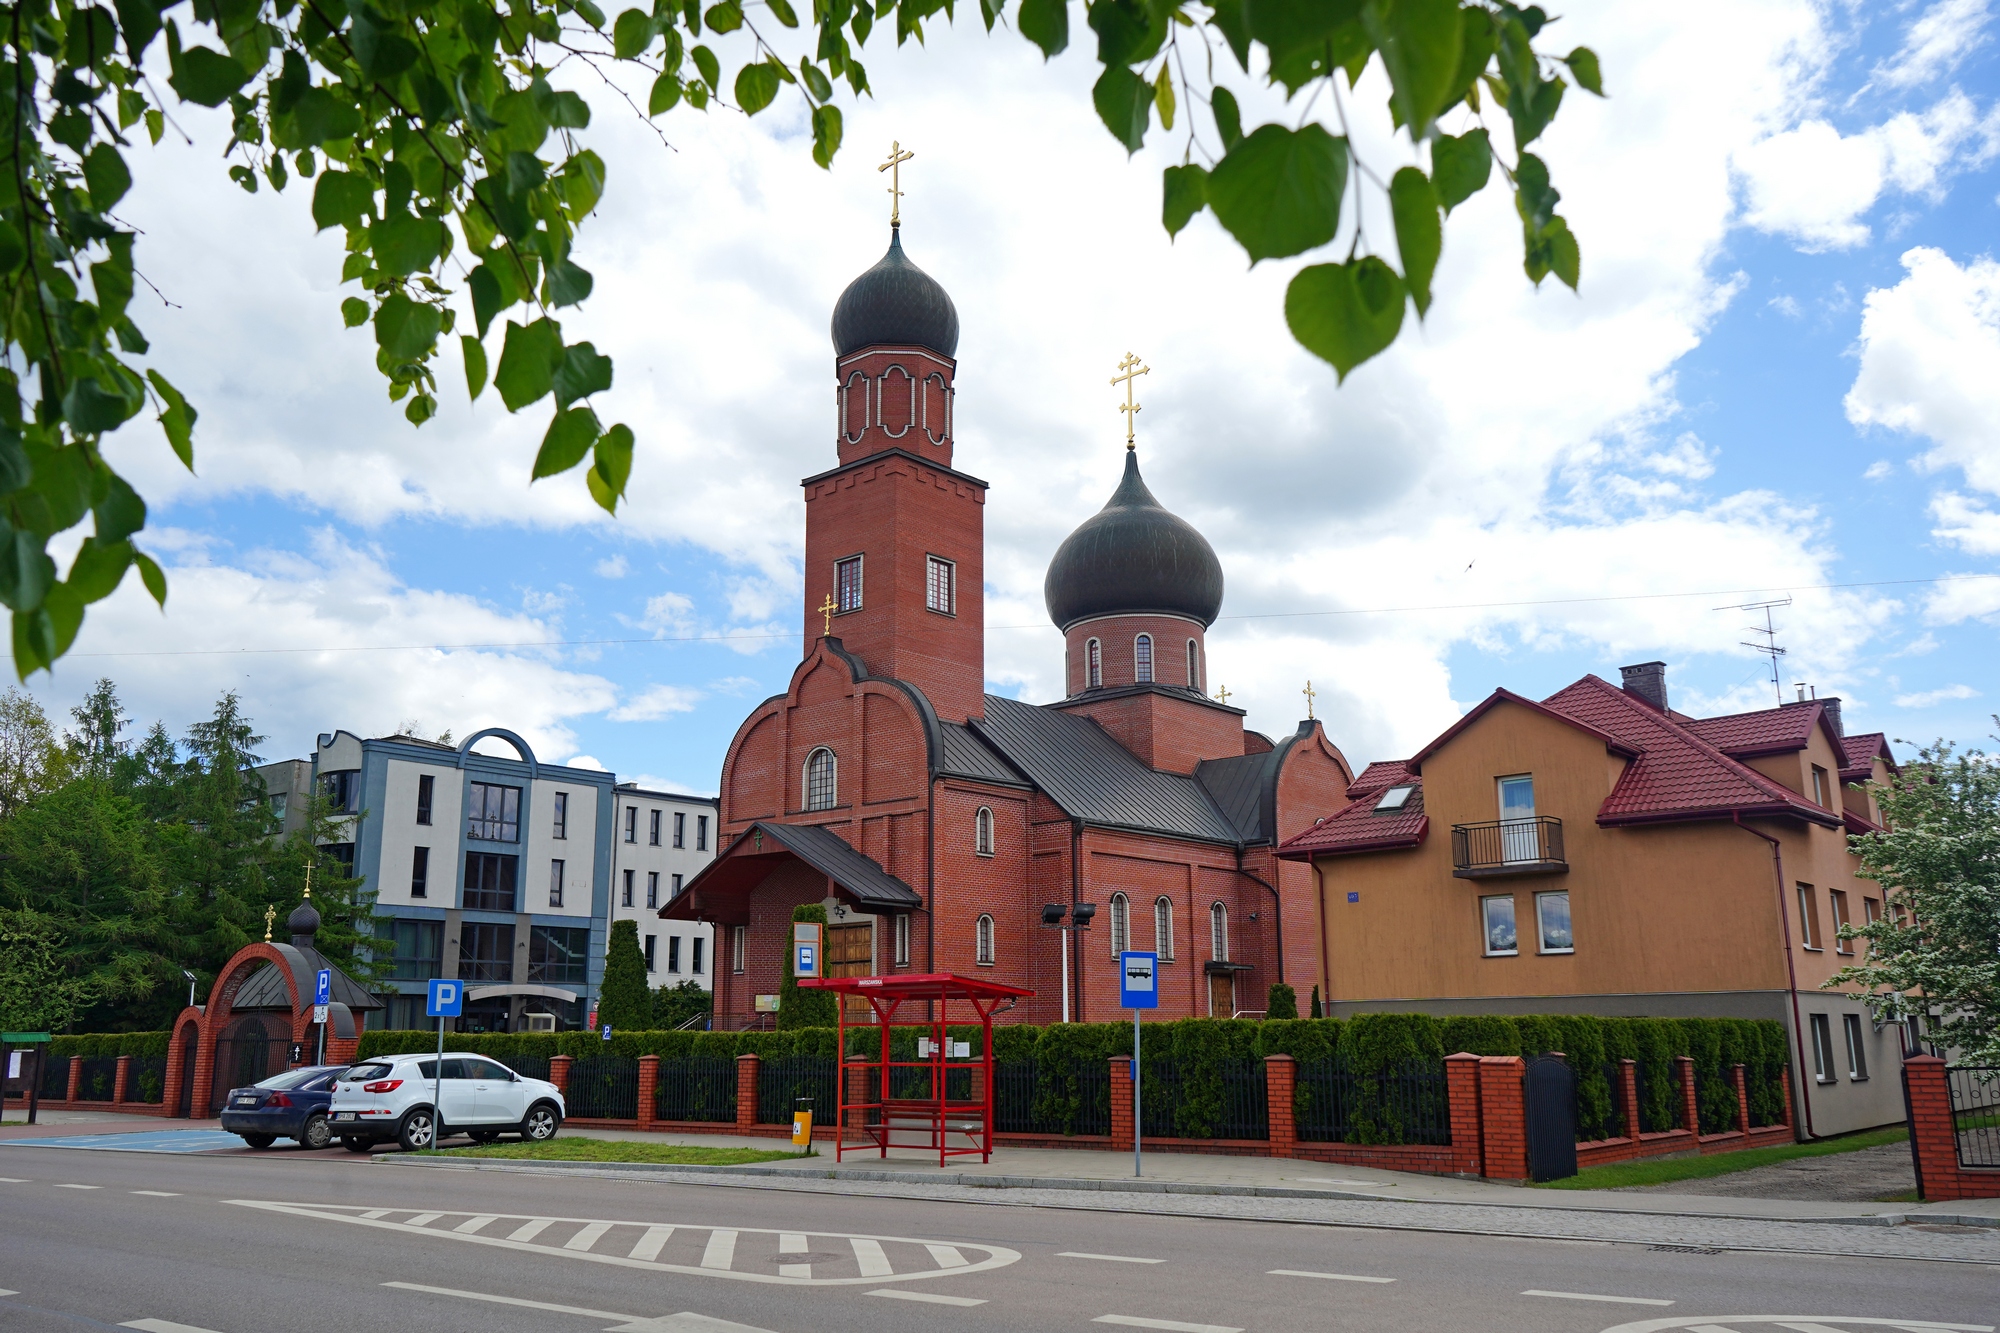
{"x":649,"y":1090}
{"x":1461,"y":1080}
{"x":1742,"y":1099}
{"x":342,"y":1050}
{"x":1503,"y":1116}
{"x":121,"y":1082}
{"x":860,"y":1078}
{"x":559,"y":1075}
{"x":1281,"y":1076}
{"x":1690,"y":1104}
{"x":746,"y":1092}
{"x":1628,"y":1091}
{"x":75,"y":1078}
{"x":1785,"y":1094}
{"x":1121,"y":1102}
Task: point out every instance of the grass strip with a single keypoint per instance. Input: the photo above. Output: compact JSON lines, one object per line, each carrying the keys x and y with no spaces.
{"x":1664,"y":1171}
{"x":566,"y":1149}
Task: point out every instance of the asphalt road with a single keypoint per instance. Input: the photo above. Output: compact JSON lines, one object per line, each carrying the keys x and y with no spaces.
{"x":242,"y":1244}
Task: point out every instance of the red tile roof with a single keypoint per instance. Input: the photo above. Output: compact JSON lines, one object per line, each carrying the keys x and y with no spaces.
{"x":1378,"y":777}
{"x":1678,"y":774}
{"x":1861,"y":752}
{"x":1768,"y":731}
{"x":1355,"y":827}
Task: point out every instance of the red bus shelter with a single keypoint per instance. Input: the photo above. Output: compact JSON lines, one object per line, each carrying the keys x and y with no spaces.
{"x":952,"y":1098}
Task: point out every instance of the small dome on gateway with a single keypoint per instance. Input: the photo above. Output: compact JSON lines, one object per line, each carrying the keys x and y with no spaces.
{"x":895,"y":302}
{"x":1132,"y":557}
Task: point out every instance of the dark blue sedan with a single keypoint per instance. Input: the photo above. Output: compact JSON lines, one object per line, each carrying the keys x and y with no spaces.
{"x":291,"y":1105}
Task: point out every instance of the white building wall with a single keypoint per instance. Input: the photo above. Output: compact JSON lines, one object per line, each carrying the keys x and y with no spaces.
{"x":643,"y":858}
{"x":402,"y":834}
{"x":575,"y":849}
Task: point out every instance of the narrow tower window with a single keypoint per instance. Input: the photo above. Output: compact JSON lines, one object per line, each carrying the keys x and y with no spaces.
{"x":982,"y":832}
{"x":1093,"y":665}
{"x":985,"y":941}
{"x":939,"y":580}
{"x":822,"y":780}
{"x":1163,"y":927}
{"x":1194,"y":666}
{"x":1121,"y":924}
{"x":1142,"y":659}
{"x":1218,"y":933}
{"x":847,"y":584}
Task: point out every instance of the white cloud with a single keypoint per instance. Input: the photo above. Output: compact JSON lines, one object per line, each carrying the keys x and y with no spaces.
{"x":1930,"y":366}
{"x":1813,"y":183}
{"x":1936,"y":42}
{"x":1878,"y":470}
{"x":1966,"y":523}
{"x":613,"y":567}
{"x":655,"y":703}
{"x":1930,"y":698}
{"x":585,"y":761}
{"x":1963,"y":599}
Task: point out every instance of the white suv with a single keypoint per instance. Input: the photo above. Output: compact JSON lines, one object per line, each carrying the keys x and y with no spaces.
{"x":401,"y":1098}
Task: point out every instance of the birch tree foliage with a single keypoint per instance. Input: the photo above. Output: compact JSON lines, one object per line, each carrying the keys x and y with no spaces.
{"x":430,"y":135}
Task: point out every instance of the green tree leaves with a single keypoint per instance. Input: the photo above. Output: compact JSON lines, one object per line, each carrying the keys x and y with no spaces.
{"x":1419,"y":232}
{"x":1345,"y":313}
{"x":1460,"y":166}
{"x":1278,"y":191}
{"x":1124,"y":102}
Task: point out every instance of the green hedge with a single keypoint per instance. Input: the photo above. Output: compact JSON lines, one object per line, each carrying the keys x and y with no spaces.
{"x":88,"y":1045}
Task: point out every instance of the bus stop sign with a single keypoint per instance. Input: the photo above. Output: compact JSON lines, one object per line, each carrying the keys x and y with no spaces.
{"x":1139,"y":981}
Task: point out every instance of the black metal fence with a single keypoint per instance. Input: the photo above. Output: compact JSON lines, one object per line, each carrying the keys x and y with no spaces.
{"x":1975,"y":1114}
{"x":148,"y":1080}
{"x":1226,"y":1101}
{"x":702,"y":1090}
{"x":604,"y":1087}
{"x":1659,"y":1097}
{"x":1611,"y":1123}
{"x":527,"y":1066}
{"x":1410,"y":1103}
{"x":781,"y":1082}
{"x":1055,"y":1098}
{"x":1764,"y":1083}
{"x":914,"y":1084}
{"x":99,"y":1078}
{"x":55,"y":1077}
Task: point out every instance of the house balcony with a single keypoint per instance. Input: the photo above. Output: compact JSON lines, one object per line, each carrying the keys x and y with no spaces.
{"x":1508,"y":847}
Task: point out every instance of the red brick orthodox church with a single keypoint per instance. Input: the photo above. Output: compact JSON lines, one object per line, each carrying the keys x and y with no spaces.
{"x":936,"y":821}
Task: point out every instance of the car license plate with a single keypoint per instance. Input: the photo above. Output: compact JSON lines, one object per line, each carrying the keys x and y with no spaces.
{"x":343,"y":1115}
{"x":246,"y":1101}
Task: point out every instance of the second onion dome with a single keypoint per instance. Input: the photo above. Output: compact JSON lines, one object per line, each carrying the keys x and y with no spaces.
{"x":1133,"y":557}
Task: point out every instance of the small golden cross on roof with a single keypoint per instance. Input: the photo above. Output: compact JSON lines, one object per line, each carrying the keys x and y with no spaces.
{"x":1130,"y":365}
{"x":826,"y":609}
{"x":894,"y":166}
{"x":309,"y":879}
{"x":1310,"y":694}
{"x":270,"y":915}
{"x":1222,"y":694}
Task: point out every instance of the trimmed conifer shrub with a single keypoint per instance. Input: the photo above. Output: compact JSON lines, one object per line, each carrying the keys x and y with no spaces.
{"x":624,"y":1002}
{"x":1283,"y":1002}
{"x":805,"y":1008}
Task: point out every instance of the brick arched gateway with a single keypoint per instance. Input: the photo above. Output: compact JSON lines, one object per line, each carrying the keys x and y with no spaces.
{"x":268,"y":986}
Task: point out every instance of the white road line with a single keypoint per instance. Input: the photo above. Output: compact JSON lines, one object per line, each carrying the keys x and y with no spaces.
{"x":505,"y":1300}
{"x":928,"y":1297}
{"x":374,"y":1213}
{"x":792,"y":1242}
{"x":423,"y":1219}
{"x":947,"y":1256}
{"x":79,"y":1187}
{"x":163,"y":1326}
{"x":1108,"y":1258}
{"x":1587,"y":1296}
{"x":5,"y":1292}
{"x":685,"y":1322}
{"x":1171,"y":1325}
{"x":1331,"y":1277}
{"x":14,"y":1180}
{"x":651,"y":1243}
{"x":155,"y":1194}
{"x":721,"y":1251}
{"x":528,"y":1231}
{"x":589,"y":1236}
{"x":795,"y":1270}
{"x":472,"y":1224}
{"x":868,"y":1253}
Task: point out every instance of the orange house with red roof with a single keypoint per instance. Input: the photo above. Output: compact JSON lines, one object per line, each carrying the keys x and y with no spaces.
{"x":1597,"y":852}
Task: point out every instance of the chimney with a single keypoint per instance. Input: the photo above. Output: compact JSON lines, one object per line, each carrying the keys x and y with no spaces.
{"x":1647,"y":681}
{"x":1832,"y":710}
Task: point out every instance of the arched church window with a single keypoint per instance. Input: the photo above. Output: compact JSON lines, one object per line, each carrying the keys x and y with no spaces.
{"x":1218,"y":933}
{"x":854,"y":408}
{"x":822,"y":779}
{"x":896,"y":402}
{"x":982,"y":831}
{"x":1093,"y":665}
{"x":1163,"y":927}
{"x":1194,"y":666}
{"x":1142,"y":659}
{"x":983,"y":938}
{"x":1121,"y":924}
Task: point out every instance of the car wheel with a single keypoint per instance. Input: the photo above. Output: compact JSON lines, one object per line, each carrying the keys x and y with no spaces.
{"x":484,"y":1135}
{"x":260,"y":1140}
{"x":353,"y":1144}
{"x":316,"y":1133}
{"x":541,"y":1123}
{"x":419,"y":1131}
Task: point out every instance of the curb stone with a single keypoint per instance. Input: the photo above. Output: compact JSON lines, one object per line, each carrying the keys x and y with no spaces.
{"x":1085,"y":1184}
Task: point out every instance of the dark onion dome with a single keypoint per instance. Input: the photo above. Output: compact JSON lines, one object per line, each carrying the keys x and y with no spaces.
{"x":1132,"y":557}
{"x":304,"y":920}
{"x":895,"y":302}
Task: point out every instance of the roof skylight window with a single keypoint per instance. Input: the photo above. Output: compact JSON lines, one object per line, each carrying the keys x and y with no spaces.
{"x":1395,"y":798}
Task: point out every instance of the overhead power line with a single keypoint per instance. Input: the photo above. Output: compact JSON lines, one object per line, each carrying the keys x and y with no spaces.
{"x":1251,"y":615}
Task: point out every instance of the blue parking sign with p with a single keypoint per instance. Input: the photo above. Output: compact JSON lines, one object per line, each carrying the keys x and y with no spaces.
{"x":1139,"y":981}
{"x":323,"y":988}
{"x":447,"y":999}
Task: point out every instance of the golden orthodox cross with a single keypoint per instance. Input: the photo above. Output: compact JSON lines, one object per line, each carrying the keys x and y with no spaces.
{"x":270,"y":915}
{"x":1222,"y":695}
{"x":894,"y":166}
{"x":309,"y":879}
{"x":1310,"y":694}
{"x":1130,"y":365}
{"x":826,"y":609}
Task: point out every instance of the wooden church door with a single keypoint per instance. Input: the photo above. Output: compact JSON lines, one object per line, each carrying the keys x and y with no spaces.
{"x":850,"y":952}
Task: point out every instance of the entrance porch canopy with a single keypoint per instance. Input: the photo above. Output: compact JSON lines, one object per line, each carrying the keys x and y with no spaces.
{"x":721,"y":892}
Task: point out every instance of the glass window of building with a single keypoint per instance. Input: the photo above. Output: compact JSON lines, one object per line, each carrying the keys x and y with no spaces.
{"x":493,"y":812}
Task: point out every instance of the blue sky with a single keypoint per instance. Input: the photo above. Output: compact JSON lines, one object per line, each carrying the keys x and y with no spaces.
{"x":1783,"y":372}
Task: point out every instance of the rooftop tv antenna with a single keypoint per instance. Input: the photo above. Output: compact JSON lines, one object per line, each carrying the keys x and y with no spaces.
{"x":1769,"y":633}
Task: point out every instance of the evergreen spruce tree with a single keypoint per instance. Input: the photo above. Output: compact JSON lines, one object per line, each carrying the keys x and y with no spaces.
{"x":624,"y":1004}
{"x":1317,"y":1012}
{"x":1282,"y":1003}
{"x":805,"y":1008}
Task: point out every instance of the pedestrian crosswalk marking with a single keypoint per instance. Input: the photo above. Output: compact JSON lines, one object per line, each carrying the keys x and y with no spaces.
{"x":933,"y":1297}
{"x":748,"y":1254}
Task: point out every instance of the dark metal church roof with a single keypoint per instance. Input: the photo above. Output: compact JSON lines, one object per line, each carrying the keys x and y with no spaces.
{"x":895,"y":302}
{"x":265,"y":988}
{"x":1132,"y":557}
